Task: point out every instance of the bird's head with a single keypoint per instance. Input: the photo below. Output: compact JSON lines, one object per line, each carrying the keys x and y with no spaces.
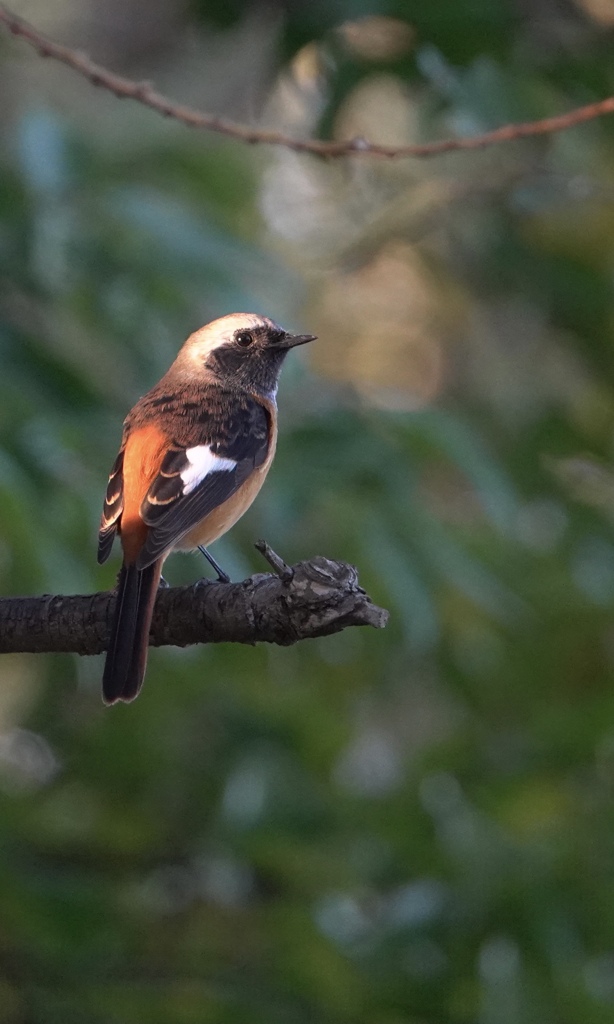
{"x":242,"y":350}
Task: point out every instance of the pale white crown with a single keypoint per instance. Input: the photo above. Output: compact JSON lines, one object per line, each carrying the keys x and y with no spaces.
{"x":219,"y":332}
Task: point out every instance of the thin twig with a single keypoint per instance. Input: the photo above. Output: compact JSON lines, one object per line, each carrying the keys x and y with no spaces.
{"x":283,"y":570}
{"x":143,"y":92}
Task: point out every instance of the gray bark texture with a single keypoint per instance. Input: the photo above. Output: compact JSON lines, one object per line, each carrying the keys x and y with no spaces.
{"x":310,"y":599}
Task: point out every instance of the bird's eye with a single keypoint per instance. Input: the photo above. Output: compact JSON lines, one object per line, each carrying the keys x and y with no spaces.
{"x":244,"y":338}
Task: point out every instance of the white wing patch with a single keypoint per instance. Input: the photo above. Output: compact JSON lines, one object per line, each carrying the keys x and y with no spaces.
{"x":203,"y":462}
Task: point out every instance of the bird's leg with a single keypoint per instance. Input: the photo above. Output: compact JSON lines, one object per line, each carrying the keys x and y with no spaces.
{"x":222,"y":576}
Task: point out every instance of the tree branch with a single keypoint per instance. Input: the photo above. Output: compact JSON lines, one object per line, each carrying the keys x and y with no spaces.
{"x":310,"y":599}
{"x":143,"y":92}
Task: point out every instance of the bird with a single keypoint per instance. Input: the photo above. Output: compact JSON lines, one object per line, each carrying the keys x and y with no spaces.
{"x":194,"y":454}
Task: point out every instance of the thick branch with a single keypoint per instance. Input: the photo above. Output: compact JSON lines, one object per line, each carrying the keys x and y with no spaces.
{"x":143,"y":92}
{"x":310,"y":599}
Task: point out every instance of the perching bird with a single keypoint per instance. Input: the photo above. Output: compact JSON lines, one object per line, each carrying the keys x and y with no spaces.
{"x":195,"y":451}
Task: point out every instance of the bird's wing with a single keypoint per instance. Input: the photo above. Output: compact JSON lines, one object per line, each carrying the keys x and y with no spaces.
{"x":200,"y":472}
{"x":112,"y":509}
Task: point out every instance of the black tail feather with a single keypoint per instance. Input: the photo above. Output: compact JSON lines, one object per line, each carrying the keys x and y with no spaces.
{"x":127,"y":653}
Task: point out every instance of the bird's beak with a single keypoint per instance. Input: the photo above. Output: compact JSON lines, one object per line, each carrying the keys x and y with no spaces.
{"x":292,"y":340}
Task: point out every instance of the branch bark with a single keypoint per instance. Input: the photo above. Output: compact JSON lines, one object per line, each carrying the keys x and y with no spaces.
{"x":310,"y":599}
{"x":143,"y":92}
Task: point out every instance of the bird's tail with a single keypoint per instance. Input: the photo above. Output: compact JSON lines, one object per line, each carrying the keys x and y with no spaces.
{"x":127,"y":652}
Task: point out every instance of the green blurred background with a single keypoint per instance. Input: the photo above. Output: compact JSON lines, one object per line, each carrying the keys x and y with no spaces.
{"x":414,"y":825}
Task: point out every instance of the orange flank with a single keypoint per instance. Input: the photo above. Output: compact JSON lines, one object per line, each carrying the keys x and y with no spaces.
{"x":145,"y":449}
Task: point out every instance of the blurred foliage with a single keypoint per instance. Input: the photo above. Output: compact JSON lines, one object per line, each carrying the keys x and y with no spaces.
{"x":410,"y":826}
